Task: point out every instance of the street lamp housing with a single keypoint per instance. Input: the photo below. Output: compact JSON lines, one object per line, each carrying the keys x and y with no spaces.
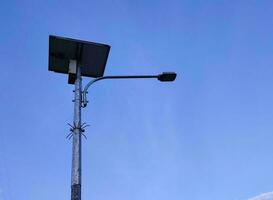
{"x":167,"y":76}
{"x":66,"y":54}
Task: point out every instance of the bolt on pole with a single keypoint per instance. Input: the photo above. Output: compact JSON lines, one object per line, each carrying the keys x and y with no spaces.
{"x":77,"y":131}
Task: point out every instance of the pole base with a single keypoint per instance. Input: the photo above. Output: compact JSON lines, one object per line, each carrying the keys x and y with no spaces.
{"x":76,"y":192}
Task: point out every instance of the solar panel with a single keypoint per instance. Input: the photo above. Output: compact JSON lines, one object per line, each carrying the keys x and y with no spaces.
{"x":90,"y":56}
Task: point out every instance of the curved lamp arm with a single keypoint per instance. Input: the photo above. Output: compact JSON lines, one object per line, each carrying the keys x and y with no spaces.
{"x":164,"y":77}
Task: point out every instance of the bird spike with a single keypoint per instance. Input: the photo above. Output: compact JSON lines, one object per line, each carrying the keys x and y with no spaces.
{"x":84,"y":136}
{"x":69,"y":135}
{"x":70,"y":125}
{"x":78,"y":126}
{"x":85,"y":126}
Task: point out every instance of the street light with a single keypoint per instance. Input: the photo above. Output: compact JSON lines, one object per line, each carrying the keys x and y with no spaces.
{"x":79,"y":58}
{"x":164,"y":77}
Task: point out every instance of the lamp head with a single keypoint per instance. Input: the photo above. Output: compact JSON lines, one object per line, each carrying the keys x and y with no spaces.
{"x":167,"y":76}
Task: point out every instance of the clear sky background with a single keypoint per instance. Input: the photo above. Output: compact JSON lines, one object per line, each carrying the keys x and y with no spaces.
{"x":207,"y":136}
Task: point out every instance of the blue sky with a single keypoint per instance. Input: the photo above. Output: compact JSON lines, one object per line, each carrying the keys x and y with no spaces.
{"x":206,"y":136}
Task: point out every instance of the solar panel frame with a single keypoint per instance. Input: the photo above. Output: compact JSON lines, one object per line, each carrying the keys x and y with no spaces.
{"x":91,"y":57}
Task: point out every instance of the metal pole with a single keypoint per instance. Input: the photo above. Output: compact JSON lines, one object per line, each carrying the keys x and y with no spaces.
{"x":77,"y":131}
